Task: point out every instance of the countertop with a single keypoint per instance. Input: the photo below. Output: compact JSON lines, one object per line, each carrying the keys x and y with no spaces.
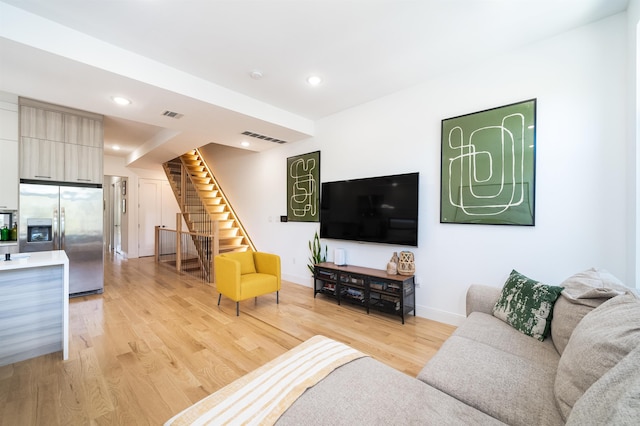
{"x":34,"y":260}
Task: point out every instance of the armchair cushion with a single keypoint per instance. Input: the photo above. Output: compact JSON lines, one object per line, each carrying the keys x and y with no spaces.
{"x":254,"y":285}
{"x":247,"y":265}
{"x":267,"y":263}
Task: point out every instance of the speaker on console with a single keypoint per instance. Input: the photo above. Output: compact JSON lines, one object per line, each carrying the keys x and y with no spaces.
{"x":339,"y":257}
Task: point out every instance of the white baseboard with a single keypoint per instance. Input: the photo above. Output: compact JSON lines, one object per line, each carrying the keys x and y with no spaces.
{"x":304,"y":281}
{"x":440,"y":316}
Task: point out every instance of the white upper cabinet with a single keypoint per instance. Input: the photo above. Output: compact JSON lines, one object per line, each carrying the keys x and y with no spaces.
{"x":9,"y":175}
{"x":9,"y":149}
{"x":8,"y":121}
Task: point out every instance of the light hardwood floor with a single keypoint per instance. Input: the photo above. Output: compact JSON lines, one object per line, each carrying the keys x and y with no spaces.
{"x":156,"y":342}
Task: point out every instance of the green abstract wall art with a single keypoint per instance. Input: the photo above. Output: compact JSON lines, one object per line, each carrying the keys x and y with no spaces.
{"x":488,"y":166}
{"x":303,"y":187}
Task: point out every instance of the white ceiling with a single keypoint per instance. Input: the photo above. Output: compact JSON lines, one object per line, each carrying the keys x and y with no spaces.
{"x":194,"y":57}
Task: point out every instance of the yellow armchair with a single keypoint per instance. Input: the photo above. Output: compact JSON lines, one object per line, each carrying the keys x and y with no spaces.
{"x":242,"y":275}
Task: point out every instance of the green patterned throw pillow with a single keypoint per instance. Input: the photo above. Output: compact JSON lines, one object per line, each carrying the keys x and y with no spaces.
{"x":527,"y":305}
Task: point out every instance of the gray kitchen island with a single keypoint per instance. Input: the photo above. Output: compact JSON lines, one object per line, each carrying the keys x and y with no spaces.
{"x":34,"y":306}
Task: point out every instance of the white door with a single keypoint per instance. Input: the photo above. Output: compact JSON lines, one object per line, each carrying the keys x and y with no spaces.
{"x":158,"y":207}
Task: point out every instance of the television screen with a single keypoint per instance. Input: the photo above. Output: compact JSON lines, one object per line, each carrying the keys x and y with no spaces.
{"x":379,"y":209}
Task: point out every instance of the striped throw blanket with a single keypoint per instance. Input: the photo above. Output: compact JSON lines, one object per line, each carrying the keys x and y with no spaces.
{"x":262,"y":396}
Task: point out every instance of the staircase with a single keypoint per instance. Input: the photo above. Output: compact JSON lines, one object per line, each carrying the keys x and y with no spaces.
{"x":205,"y":208}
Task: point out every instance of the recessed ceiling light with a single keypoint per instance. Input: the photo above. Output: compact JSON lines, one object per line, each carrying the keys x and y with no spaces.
{"x":245,"y":144}
{"x":314,"y":80}
{"x":120,"y":100}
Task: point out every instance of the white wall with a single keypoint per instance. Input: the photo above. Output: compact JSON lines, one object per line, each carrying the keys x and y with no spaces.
{"x":579,"y":80}
{"x":633,"y":156}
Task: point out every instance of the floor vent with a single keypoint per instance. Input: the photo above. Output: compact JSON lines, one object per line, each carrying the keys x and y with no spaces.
{"x":263,"y":137}
{"x":172,"y":114}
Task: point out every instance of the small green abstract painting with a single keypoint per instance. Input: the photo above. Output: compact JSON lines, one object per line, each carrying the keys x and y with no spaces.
{"x":303,"y":187}
{"x":488,"y":166}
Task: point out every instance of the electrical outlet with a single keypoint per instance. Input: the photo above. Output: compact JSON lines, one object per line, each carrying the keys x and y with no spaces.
{"x":417,"y":281}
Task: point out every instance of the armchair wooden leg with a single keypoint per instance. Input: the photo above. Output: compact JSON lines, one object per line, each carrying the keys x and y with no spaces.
{"x":219,"y":297}
{"x":237,"y":309}
{"x":277,"y":297}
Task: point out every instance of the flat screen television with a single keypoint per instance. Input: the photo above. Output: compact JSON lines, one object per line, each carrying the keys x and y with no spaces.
{"x":380,"y":209}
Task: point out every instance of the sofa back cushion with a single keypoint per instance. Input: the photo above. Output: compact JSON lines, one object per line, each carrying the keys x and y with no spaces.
{"x":603,"y":337}
{"x":582,"y":293}
{"x":614,"y":399}
{"x":566,"y":316}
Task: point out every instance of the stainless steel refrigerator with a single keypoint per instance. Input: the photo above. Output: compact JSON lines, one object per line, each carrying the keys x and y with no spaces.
{"x":69,"y":218}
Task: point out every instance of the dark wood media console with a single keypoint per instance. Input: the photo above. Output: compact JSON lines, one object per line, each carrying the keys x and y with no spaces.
{"x":366,"y":287}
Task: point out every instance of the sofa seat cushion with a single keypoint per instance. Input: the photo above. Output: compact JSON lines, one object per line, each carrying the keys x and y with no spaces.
{"x":506,"y":386}
{"x":604,"y":337}
{"x":491,"y":331}
{"x":366,"y":391}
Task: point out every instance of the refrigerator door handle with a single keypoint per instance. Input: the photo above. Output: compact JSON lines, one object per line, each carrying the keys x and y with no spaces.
{"x":55,"y":229}
{"x":62,"y":228}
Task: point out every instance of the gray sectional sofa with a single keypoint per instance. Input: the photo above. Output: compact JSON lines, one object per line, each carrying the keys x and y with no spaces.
{"x":593,"y":351}
{"x":585,"y":372}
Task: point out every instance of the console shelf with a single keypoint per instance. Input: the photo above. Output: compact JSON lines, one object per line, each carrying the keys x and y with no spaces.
{"x":370,"y":288}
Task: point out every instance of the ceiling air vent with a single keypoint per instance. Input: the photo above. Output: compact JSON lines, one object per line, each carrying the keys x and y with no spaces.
{"x":263,"y":137}
{"x":172,"y":114}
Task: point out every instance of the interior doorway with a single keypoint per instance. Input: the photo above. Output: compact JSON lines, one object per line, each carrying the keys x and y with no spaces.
{"x":116,"y":210}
